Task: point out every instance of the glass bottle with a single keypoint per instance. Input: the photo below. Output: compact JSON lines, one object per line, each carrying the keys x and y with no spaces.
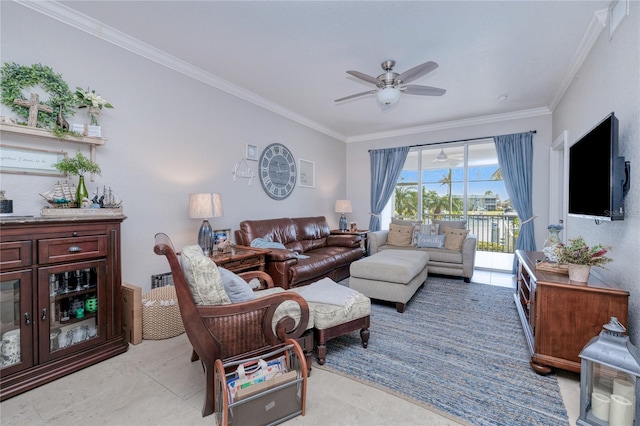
{"x":81,"y":192}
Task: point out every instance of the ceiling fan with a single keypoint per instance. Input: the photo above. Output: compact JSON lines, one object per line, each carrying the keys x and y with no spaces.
{"x":390,"y":84}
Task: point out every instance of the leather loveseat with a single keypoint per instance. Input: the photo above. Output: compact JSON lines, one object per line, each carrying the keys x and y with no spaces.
{"x":310,"y":252}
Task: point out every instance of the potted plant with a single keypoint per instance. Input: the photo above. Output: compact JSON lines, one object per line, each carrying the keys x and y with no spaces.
{"x":580,"y":257}
{"x":78,"y":166}
{"x":91,"y":100}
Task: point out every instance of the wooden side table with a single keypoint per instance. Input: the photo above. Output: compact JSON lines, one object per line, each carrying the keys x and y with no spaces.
{"x":362,"y":233}
{"x":241,"y":258}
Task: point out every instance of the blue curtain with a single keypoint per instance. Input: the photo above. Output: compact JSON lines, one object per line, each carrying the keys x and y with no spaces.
{"x":386,"y":166}
{"x":515,"y":156}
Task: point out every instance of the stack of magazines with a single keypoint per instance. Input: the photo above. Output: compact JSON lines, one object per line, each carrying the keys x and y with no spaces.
{"x":257,"y":376}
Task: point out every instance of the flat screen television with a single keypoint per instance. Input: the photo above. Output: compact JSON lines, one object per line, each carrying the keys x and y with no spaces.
{"x":598,"y":177}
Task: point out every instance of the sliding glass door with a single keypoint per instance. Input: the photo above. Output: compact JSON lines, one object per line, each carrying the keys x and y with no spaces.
{"x":458,"y":181}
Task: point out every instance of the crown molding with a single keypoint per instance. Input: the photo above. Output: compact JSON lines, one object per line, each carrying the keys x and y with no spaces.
{"x":84,"y":23}
{"x":95,"y":28}
{"x":487,"y":119}
{"x":594,"y":29}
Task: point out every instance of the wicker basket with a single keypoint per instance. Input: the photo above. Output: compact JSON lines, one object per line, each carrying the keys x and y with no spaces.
{"x":161,"y":314}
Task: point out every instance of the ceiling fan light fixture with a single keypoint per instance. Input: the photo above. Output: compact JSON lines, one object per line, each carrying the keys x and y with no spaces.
{"x":388,"y":96}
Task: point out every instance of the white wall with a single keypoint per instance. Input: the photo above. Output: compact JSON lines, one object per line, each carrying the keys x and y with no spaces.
{"x":609,"y":81}
{"x":168,"y":135}
{"x":359,"y":170}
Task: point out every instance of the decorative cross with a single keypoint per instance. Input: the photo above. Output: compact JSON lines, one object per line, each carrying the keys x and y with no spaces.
{"x":34,"y":106}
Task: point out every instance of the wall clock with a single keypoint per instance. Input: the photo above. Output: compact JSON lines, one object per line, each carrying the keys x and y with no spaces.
{"x":277,"y":171}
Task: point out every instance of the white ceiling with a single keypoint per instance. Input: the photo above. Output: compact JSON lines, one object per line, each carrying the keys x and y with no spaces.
{"x":291,"y":57}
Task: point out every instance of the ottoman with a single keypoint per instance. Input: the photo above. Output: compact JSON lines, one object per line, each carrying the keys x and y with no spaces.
{"x":336,"y":310}
{"x":390,"y":275}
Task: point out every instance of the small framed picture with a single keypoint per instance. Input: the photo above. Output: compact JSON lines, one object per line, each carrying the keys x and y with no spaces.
{"x":221,"y":235}
{"x":251,"y":152}
{"x":307,"y":173}
{"x":353,"y":226}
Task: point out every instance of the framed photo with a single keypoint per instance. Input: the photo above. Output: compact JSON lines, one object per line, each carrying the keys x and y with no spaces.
{"x":353,"y":226}
{"x":30,"y":161}
{"x":307,"y":173}
{"x":251,"y":152}
{"x":220,"y":235}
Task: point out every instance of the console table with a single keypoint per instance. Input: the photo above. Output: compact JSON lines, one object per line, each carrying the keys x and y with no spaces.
{"x":559,"y":316}
{"x":241,"y":258}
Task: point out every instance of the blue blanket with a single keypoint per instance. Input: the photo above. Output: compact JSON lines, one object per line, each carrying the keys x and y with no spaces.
{"x":266,"y":244}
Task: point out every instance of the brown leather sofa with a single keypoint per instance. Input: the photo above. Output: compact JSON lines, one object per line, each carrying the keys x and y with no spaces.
{"x":328,"y":255}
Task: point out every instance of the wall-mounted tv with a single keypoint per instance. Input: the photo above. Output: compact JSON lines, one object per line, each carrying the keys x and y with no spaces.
{"x":598,"y":177}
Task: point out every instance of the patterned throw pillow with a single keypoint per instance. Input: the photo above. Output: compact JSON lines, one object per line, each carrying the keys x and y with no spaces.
{"x":454,"y":238}
{"x":203,"y":277}
{"x":399,"y":235}
{"x":430,"y":241}
{"x":429,"y":229}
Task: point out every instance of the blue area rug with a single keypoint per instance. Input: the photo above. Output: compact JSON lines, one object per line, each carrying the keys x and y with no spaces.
{"x":458,"y":348}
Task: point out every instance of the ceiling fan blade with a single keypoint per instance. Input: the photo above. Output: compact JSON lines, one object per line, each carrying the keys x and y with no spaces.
{"x":364,"y":77}
{"x":417,"y":71}
{"x":357,"y":95}
{"x":413,"y":89}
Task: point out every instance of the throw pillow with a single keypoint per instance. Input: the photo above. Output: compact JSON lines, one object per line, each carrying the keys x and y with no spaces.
{"x":203,"y":277}
{"x":399,"y":235}
{"x":454,"y":238}
{"x":429,"y":229}
{"x":430,"y":241}
{"x":237,"y":289}
{"x":455,"y":224}
{"x":414,"y":223}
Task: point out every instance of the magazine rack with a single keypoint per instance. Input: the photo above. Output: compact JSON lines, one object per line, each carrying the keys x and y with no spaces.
{"x":272,"y":401}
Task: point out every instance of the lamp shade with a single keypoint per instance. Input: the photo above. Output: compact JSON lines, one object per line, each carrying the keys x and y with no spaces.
{"x":204,"y":206}
{"x":343,"y":206}
{"x":200,"y":206}
{"x":388,"y":96}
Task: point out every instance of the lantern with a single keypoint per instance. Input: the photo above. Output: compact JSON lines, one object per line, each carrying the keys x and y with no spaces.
{"x":609,"y":376}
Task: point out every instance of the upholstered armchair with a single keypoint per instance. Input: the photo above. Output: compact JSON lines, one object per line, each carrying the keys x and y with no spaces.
{"x":224,"y":331}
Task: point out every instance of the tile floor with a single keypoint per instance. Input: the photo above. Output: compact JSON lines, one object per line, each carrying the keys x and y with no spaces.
{"x":154,"y":383}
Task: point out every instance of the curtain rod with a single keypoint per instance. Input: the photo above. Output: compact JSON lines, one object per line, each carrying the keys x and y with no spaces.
{"x":459,"y":140}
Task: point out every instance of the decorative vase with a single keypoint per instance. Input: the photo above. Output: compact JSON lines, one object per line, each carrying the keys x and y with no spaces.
{"x":81,"y":192}
{"x":93,"y":115}
{"x":579,"y":273}
{"x":550,"y":244}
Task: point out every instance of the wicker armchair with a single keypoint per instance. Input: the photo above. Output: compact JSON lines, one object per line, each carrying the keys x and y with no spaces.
{"x":224,"y":331}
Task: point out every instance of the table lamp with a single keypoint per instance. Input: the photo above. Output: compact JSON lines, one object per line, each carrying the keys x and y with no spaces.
{"x":205,"y":206}
{"x":343,"y":206}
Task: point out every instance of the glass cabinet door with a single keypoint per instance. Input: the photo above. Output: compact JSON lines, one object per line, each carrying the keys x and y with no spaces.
{"x":16,"y":322}
{"x":75,"y":315}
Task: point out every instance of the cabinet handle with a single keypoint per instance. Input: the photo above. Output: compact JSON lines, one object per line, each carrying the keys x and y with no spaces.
{"x":44,"y":314}
{"x":27,"y":318}
{"x":74,"y":249}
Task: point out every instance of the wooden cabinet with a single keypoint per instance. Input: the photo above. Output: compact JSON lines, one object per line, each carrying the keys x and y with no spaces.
{"x":60,"y":298}
{"x":559,"y":316}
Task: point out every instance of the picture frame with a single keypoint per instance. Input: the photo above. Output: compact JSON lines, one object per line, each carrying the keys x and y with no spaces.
{"x":30,"y":161}
{"x":251,"y":152}
{"x":353,"y":226}
{"x":220,"y":235}
{"x":306,"y":173}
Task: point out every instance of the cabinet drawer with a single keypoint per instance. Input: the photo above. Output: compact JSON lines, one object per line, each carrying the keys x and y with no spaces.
{"x":15,"y":254}
{"x":241,"y":264}
{"x":71,"y":249}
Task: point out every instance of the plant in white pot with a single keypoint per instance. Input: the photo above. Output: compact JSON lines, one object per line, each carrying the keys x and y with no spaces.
{"x":580,"y":257}
{"x":78,"y":166}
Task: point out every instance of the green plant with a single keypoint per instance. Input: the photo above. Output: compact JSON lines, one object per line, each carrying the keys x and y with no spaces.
{"x":89,"y":98}
{"x":78,"y":165}
{"x":16,"y":78}
{"x":578,"y":252}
